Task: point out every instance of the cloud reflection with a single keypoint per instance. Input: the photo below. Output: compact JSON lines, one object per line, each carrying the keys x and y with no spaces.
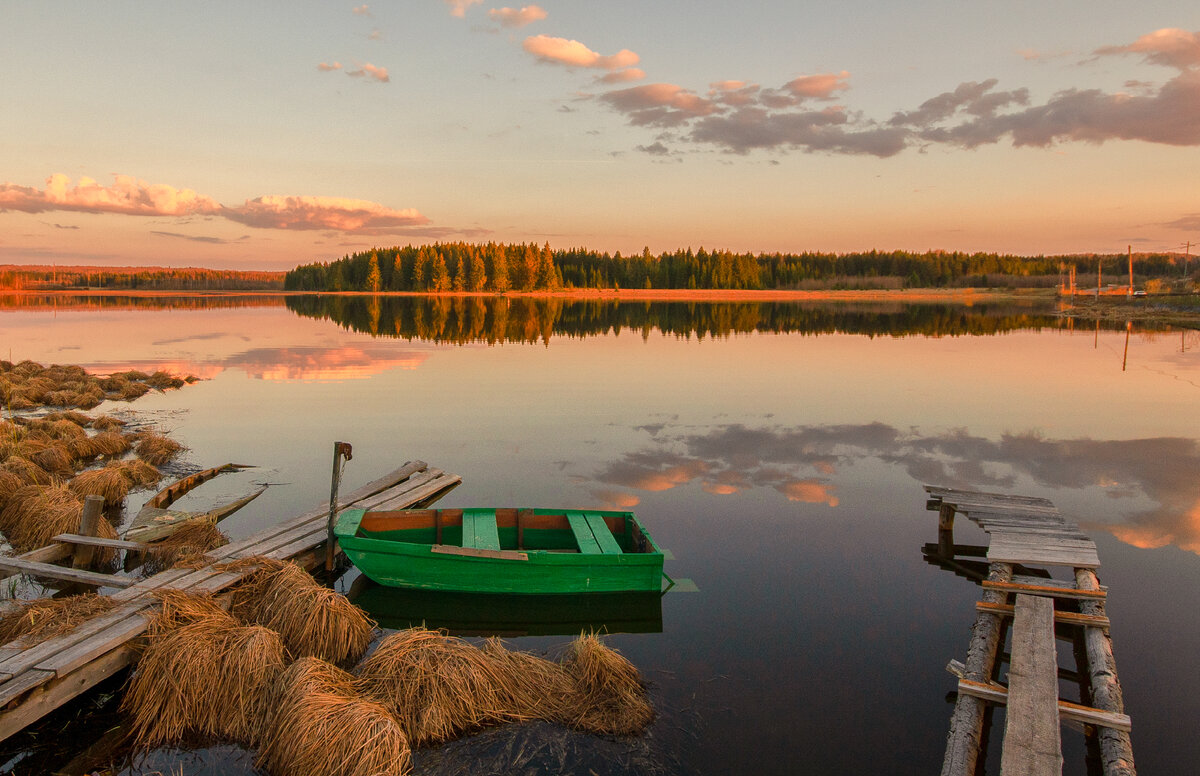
{"x":801,"y":463}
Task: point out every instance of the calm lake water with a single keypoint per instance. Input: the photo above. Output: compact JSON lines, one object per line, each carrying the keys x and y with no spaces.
{"x":777,"y":450}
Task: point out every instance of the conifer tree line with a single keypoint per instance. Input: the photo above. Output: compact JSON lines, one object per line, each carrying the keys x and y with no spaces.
{"x":499,"y":267}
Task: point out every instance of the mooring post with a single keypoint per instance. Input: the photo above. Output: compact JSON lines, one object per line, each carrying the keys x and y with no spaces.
{"x":946,"y":530}
{"x":340,"y":450}
{"x":93,"y":507}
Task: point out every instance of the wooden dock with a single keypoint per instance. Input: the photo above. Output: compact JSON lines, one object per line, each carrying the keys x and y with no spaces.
{"x":1026,"y":534}
{"x":37,"y":678}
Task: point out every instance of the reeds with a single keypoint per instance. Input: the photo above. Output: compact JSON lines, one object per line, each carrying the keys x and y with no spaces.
{"x":28,"y":385}
{"x":186,"y":546}
{"x":208,"y":676}
{"x":107,"y":423}
{"x":109,"y":482}
{"x":312,"y":619}
{"x":318,"y":725}
{"x":437,"y":687}
{"x":43,"y":618}
{"x":35,"y":514}
{"x":609,"y":697}
{"x":534,"y":687}
{"x":156,"y":449}
{"x":139,"y":473}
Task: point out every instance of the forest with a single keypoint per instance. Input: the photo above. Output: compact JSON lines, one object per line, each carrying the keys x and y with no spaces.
{"x":499,"y":268}
{"x":69,"y":278}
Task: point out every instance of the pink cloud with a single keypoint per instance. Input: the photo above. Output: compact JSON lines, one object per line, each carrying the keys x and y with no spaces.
{"x":458,"y":8}
{"x":617,"y":499}
{"x":362,"y":10}
{"x":370,"y":71}
{"x":1169,"y":46}
{"x":659,"y":104}
{"x":127,"y":195}
{"x":303,"y":212}
{"x":821,"y":86}
{"x":572,"y":53}
{"x":511,"y":17}
{"x":130,"y":196}
{"x":808,"y":492}
{"x":622,"y":76}
{"x":325,"y":67}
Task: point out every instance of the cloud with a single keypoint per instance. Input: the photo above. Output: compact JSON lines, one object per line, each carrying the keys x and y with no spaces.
{"x":130,"y":196}
{"x":127,"y":195}
{"x":304,"y":212}
{"x":739,"y":117}
{"x":572,"y":53}
{"x":325,"y":67}
{"x":1189,"y":222}
{"x":655,"y":149}
{"x":622,"y":76}
{"x":1169,"y":47}
{"x":458,"y":8}
{"x":197,"y":238}
{"x":362,"y":10}
{"x":661,"y":104}
{"x":511,"y":17}
{"x":370,"y":71}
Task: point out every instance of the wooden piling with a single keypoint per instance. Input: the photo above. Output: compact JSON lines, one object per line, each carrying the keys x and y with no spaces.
{"x":93,"y":509}
{"x":1116,"y":749}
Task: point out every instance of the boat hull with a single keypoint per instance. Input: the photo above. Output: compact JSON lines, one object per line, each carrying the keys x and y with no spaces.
{"x":530,"y":571}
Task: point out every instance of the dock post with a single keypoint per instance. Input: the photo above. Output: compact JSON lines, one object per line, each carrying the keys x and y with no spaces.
{"x":340,"y":450}
{"x":946,"y":530}
{"x":93,"y":507}
{"x":1116,"y":749}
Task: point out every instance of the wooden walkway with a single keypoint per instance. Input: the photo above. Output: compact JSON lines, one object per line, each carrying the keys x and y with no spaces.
{"x":37,"y":678}
{"x":1026,"y":533}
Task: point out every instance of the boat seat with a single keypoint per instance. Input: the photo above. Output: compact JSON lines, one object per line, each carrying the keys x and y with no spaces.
{"x":479,"y":529}
{"x":592,"y":535}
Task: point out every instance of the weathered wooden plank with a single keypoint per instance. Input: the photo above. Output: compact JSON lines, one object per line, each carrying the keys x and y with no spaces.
{"x":1032,"y":740}
{"x":1054,"y":591}
{"x":946,"y":494}
{"x":411,"y":483}
{"x":584,"y":538}
{"x":89,"y":649}
{"x":1066,"y":618}
{"x":51,"y":553}
{"x":99,"y":541}
{"x":32,"y":655}
{"x":22,"y":683}
{"x":422,"y":494}
{"x":1004,"y":549}
{"x":604,"y":537}
{"x":998,"y":694}
{"x":473,"y":552}
{"x":93,"y":510}
{"x":80,"y":576}
{"x":53,"y":692}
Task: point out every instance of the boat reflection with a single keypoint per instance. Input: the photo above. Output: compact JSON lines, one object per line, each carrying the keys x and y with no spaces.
{"x":475,"y":614}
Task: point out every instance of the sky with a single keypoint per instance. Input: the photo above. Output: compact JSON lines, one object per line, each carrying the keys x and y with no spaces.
{"x":266,"y":135}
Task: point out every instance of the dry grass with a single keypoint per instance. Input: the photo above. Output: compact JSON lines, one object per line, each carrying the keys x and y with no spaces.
{"x":156,"y":449}
{"x":78,"y":418}
{"x":28,"y":472}
{"x":110,"y":444}
{"x":312,"y":619}
{"x":107,"y":423}
{"x":609,"y":697}
{"x":45,"y":617}
{"x":131,"y":391}
{"x":319,"y":726}
{"x":35,"y":514}
{"x":437,"y":687}
{"x":186,"y":546}
{"x":163,"y":381}
{"x":52,"y":456}
{"x":206,"y":677}
{"x":179,"y":607}
{"x":534,"y":687}
{"x":109,"y":482}
{"x":9,"y":484}
{"x":139,"y":473}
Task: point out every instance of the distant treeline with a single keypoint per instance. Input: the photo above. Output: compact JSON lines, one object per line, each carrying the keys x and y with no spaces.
{"x":498,"y":268}
{"x":493,"y":320}
{"x":51,"y":278}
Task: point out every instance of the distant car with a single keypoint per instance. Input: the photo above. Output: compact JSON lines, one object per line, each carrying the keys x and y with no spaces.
{"x":1139,"y":293}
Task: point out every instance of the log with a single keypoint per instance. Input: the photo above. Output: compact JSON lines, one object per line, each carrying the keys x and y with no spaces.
{"x":1116,"y":750}
{"x":93,"y":508}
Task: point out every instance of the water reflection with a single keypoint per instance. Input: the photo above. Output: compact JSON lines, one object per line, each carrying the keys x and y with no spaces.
{"x":532,"y":319}
{"x":464,"y":614}
{"x":802,"y":463}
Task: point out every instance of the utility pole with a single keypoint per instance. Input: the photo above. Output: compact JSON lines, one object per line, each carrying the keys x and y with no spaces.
{"x":1130,"y":271}
{"x":1099,"y":269}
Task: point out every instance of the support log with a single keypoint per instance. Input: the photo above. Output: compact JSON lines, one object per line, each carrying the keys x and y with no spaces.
{"x":966,"y":724}
{"x":93,"y":509}
{"x":1116,"y":750}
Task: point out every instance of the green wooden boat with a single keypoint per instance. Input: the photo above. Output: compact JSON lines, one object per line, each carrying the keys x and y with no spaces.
{"x":521,"y":551}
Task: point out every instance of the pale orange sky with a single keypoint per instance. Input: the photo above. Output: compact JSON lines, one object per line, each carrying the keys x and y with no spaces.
{"x":248,"y":137}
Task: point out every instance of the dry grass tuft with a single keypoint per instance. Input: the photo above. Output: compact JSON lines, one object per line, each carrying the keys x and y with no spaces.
{"x":179,"y":608}
{"x":156,"y":449}
{"x":9,"y":484}
{"x":319,"y":726}
{"x":110,"y":443}
{"x":107,"y":423}
{"x":436,"y":686}
{"x":311,"y":618}
{"x":186,"y":546}
{"x":206,"y":677}
{"x":52,"y":456}
{"x":609,"y":697}
{"x":78,"y":418}
{"x":532,"y":687}
{"x":139,"y":473}
{"x":45,"y":617}
{"x":109,"y":482}
{"x":131,"y":391}
{"x":28,"y":472}
{"x":163,"y":381}
{"x":35,"y":514}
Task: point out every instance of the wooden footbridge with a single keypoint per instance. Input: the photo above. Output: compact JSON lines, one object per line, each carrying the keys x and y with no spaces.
{"x":37,"y":678}
{"x":1025,"y":535}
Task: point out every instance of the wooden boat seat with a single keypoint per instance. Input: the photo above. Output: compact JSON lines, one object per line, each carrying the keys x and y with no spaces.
{"x":592,"y":534}
{"x":479,"y":529}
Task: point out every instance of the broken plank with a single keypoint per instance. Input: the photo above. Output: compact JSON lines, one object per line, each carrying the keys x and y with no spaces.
{"x":1053,"y":591}
{"x":996,"y":693}
{"x":51,"y":693}
{"x":98,"y":541}
{"x":51,"y":571}
{"x":1066,"y":618}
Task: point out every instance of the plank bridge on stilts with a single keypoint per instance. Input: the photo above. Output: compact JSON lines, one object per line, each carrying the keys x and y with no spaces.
{"x":1026,"y":535}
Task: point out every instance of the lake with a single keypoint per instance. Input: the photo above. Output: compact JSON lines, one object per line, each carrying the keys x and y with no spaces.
{"x":778,"y":450}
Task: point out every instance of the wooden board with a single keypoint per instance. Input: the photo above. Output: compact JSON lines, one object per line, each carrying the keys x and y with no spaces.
{"x":1032,"y":740}
{"x":1054,"y":591}
{"x":1011,"y":548}
{"x":479,"y":529}
{"x":997,"y":693}
{"x":1066,"y":618}
{"x":608,"y":543}
{"x":583,"y":534}
{"x":80,"y":576}
{"x":97,"y":541}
